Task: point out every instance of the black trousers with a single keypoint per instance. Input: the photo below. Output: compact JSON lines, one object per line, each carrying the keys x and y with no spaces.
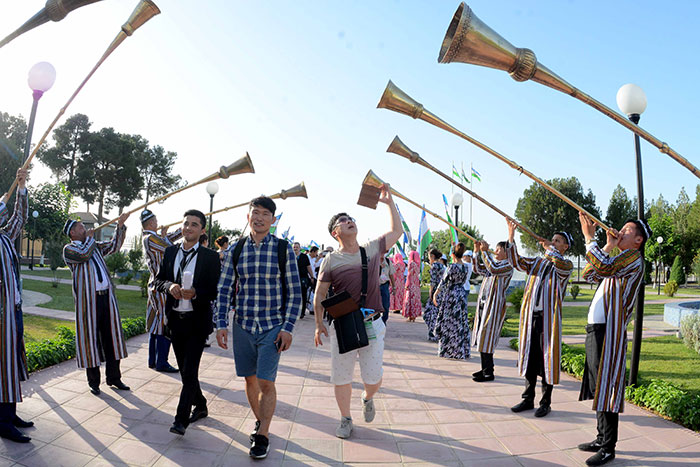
{"x":8,"y":411}
{"x":188,"y":346}
{"x":104,"y":345}
{"x":607,"y":422}
{"x":487,"y":363}
{"x":535,"y":365}
{"x":304,"y":296}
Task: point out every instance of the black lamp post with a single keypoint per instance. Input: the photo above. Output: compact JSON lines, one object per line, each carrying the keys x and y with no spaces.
{"x":659,"y":240}
{"x":632,"y":102}
{"x":457,"y":201}
{"x":35,"y":214}
{"x":212,"y":189}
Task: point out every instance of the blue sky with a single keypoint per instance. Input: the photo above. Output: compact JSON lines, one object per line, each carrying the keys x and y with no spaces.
{"x":296,"y":85}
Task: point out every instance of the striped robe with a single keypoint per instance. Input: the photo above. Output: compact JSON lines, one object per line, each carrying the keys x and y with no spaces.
{"x":554,"y":283}
{"x":491,"y":304}
{"x":154,"y":245}
{"x":77,"y":257}
{"x":13,"y":359}
{"x":620,"y":277}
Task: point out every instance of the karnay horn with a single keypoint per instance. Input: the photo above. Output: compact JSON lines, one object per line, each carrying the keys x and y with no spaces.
{"x":373,"y":184}
{"x":54,"y":10}
{"x":296,"y":191}
{"x":242,"y":165}
{"x":469,"y":40}
{"x":144,"y":11}
{"x":398,"y":147}
{"x":398,"y":101}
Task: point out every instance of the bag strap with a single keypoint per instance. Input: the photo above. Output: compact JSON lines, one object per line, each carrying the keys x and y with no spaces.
{"x":365,"y":273}
{"x":235,"y":255}
{"x":282,"y":263}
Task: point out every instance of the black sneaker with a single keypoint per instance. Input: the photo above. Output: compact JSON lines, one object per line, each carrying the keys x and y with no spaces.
{"x":260,"y":448}
{"x":255,"y":431}
{"x":593,"y":446}
{"x":483,"y":377}
{"x":543,"y":410}
{"x":526,"y":404}
{"x":601,"y":457}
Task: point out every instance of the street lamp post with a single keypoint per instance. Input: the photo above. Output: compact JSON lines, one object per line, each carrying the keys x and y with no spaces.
{"x":35,"y":214}
{"x":212,"y":189}
{"x":632,"y":102}
{"x":457,"y":201}
{"x":659,"y":240}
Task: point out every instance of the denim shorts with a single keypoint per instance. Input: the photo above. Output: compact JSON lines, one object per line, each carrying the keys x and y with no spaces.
{"x":256,"y":353}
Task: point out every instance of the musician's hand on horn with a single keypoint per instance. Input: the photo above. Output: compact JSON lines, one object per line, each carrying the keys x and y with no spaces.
{"x":587,"y":227}
{"x":477,"y":246}
{"x":122,"y":219}
{"x":511,"y":229}
{"x":613,"y":238}
{"x":22,"y":175}
{"x":90,"y":233}
{"x":484,"y":246}
{"x":385,"y":195}
{"x":164,"y":231}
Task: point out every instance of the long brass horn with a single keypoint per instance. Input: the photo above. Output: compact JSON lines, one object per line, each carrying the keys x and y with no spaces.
{"x":398,"y":147}
{"x":54,"y":10}
{"x":372,"y":184}
{"x":398,"y":101}
{"x":296,"y":191}
{"x":242,"y":165}
{"x":144,"y":11}
{"x":469,"y":40}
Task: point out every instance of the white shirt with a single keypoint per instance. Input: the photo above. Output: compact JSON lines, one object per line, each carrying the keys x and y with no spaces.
{"x":190,"y":266}
{"x":596,"y":311}
{"x":99,"y":284}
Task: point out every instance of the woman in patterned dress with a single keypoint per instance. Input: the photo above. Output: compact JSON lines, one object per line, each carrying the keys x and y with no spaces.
{"x":397,"y":290}
{"x":430,"y":312}
{"x":412,"y":307}
{"x":452,"y":327}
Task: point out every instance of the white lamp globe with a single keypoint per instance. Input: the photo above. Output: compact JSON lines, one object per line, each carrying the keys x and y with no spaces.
{"x":659,"y":239}
{"x":35,"y":214}
{"x":631,"y":100}
{"x":41,"y":76}
{"x":212,"y":188}
{"x":457,"y":199}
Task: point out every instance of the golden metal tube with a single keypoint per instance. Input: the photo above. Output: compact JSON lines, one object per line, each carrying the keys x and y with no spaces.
{"x":242,"y":165}
{"x":144,"y":11}
{"x":399,"y":147}
{"x":398,"y":101}
{"x":373,"y":181}
{"x":469,"y":40}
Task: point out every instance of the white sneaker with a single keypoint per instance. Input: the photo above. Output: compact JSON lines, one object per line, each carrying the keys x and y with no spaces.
{"x":368,"y":408}
{"x":345,"y":428}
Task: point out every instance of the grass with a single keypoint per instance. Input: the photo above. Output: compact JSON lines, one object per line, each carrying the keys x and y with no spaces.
{"x":61,"y":273}
{"x":37,"y":328}
{"x":667,"y":358}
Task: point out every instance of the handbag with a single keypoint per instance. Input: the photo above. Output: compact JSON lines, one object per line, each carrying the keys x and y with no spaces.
{"x":347,"y":317}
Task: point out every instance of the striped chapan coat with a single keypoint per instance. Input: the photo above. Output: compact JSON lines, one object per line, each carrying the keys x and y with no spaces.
{"x":77,"y":256}
{"x":552,"y":274}
{"x":154,"y":246}
{"x":620,"y":277}
{"x":491,"y":304}
{"x":13,"y":359}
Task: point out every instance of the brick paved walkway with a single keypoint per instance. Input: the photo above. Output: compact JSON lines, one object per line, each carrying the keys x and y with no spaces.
{"x":429,"y":412}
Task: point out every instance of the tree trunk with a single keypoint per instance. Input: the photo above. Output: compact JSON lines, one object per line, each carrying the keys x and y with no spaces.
{"x":98,"y":235}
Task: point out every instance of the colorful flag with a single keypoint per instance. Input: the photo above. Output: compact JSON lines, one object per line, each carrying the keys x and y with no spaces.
{"x":424,"y":235}
{"x":403,"y":253}
{"x":312,"y":243}
{"x":273,"y":228}
{"x":476,"y":174}
{"x":286,"y":233}
{"x":455,"y":173}
{"x":406,"y":230}
{"x":447,"y":213}
{"x":464,"y":177}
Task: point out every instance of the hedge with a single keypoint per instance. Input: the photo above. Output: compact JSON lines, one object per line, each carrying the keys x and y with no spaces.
{"x":662,"y":397}
{"x":62,"y":347}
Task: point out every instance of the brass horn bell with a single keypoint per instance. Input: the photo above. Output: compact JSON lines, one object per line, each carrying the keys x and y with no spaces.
{"x":241,"y":166}
{"x":297,"y":191}
{"x":371,"y":190}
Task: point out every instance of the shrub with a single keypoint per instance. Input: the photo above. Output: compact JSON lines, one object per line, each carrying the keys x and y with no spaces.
{"x":116,"y":262}
{"x":516,"y":297}
{"x":143,"y":283}
{"x":575,"y":290}
{"x":677,"y":271}
{"x":671,"y":288}
{"x":668,"y":400}
{"x":690,"y":330}
{"x":126,"y":278}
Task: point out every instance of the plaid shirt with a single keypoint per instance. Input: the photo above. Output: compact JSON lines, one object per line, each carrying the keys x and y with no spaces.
{"x":259,"y":304}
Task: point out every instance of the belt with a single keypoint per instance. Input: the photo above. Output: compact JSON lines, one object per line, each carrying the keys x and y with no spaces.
{"x":102,"y":292}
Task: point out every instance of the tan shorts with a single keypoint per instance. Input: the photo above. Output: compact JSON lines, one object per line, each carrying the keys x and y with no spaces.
{"x":371,"y":358}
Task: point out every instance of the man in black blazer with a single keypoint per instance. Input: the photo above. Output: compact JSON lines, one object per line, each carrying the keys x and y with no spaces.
{"x":189,"y":311}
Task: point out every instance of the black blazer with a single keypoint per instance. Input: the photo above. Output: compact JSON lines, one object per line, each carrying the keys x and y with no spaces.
{"x":206,"y":280}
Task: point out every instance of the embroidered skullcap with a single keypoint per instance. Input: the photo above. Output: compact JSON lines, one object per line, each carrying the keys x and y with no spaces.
{"x":69,"y":225}
{"x":567,"y":236}
{"x":146,"y":214}
{"x":644,"y":228}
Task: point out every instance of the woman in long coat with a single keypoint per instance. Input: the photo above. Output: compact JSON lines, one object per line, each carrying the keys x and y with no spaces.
{"x":397,"y":291}
{"x":452,"y":328}
{"x":412,"y":307}
{"x":437,"y":269}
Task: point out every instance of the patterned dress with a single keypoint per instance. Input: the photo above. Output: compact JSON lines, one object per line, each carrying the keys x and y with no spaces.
{"x":397,"y":291}
{"x":452,"y":327}
{"x":412,"y":307}
{"x":437,"y":269}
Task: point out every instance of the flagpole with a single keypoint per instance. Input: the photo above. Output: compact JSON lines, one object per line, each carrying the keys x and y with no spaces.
{"x":471,"y":186}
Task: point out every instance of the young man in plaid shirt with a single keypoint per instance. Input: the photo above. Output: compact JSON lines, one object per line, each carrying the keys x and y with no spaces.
{"x":266,"y":303}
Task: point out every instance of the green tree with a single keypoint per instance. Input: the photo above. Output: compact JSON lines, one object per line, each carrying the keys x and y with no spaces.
{"x":545,"y":213}
{"x":442,"y":239}
{"x":677,"y":271}
{"x":156,"y":168}
{"x":620,"y":209}
{"x":53,"y":202}
{"x":117,"y":263}
{"x":70,"y":143}
{"x":13,"y":131}
{"x":217,"y":231}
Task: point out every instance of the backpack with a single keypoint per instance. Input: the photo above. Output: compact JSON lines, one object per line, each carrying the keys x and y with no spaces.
{"x":281,"y":262}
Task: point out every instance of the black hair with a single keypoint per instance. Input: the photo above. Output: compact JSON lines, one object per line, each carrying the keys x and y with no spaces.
{"x":435,"y":253}
{"x":221,"y":240}
{"x":263,"y":202}
{"x":503,"y":244}
{"x":312,"y":249}
{"x":459,"y":250}
{"x":640,"y":231}
{"x":203,"y":238}
{"x":196,"y":213}
{"x":334,"y":219}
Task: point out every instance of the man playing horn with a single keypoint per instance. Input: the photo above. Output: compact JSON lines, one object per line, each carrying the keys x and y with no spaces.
{"x":539,"y":341}
{"x":12,"y":354}
{"x":619,"y":279}
{"x":154,"y":246}
{"x":98,"y":330}
{"x":491,"y":303}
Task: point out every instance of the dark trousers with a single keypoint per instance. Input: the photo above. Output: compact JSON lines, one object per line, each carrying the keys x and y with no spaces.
{"x":386,"y":300}
{"x":608,"y":422}
{"x":158,"y":350}
{"x":535,"y":365}
{"x":487,"y":363}
{"x":8,"y":412}
{"x":188,"y":347}
{"x":104,"y":345}
{"x":304,"y":296}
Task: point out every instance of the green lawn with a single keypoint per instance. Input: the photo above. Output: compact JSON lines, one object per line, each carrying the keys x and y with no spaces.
{"x":37,"y":328}
{"x":61,"y":273}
